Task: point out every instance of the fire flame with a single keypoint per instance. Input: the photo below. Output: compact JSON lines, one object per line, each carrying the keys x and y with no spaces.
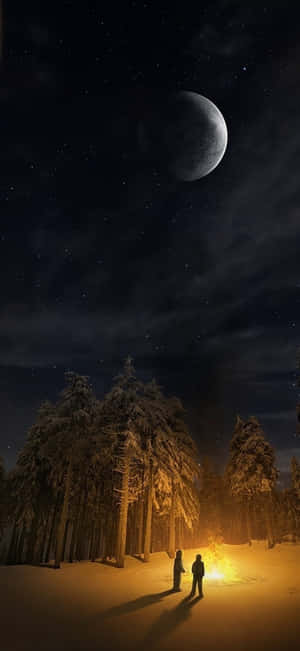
{"x":217,"y":566}
{"x":214,"y":574}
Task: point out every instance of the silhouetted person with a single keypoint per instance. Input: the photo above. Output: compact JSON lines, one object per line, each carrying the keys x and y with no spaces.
{"x":198,"y":574}
{"x":177,"y":571}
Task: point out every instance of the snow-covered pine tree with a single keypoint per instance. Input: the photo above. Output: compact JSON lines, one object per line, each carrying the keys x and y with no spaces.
{"x":184,"y":468}
{"x":251,"y":471}
{"x":92,"y":499}
{"x":154,"y":427}
{"x":121,"y":411}
{"x":153,"y":442}
{"x":68,"y":434}
{"x":30,"y":495}
{"x":177,"y":470}
{"x":81,"y":455}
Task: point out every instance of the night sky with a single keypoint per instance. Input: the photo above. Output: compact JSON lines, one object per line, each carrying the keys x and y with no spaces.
{"x":102,"y":255}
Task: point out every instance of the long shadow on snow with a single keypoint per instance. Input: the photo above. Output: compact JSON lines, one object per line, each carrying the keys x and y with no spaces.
{"x":136,"y":604}
{"x":168,"y":621}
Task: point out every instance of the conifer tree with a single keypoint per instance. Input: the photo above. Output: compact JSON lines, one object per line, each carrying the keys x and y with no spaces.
{"x":30,"y":491}
{"x":177,"y":469}
{"x":68,"y":433}
{"x":120,"y":414}
{"x":83,"y":461}
{"x":154,"y":448}
{"x":251,"y":470}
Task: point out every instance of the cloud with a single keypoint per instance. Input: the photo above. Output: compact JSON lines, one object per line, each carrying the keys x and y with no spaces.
{"x":208,"y":281}
{"x":223,"y":274}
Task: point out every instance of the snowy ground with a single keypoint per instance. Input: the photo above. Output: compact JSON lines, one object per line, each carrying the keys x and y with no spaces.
{"x":94,"y":607}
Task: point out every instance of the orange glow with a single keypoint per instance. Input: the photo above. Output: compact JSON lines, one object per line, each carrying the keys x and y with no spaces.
{"x":217,"y":566}
{"x":214,"y":574}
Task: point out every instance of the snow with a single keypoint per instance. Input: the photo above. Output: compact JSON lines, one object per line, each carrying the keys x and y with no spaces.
{"x":93,"y":607}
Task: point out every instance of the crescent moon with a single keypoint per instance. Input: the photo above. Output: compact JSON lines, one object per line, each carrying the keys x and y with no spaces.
{"x":187,"y":135}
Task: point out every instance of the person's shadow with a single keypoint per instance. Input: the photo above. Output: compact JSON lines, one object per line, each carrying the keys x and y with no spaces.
{"x":168,"y":621}
{"x":136,"y":604}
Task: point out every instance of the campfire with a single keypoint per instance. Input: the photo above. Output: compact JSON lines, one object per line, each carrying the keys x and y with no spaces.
{"x":217,"y":566}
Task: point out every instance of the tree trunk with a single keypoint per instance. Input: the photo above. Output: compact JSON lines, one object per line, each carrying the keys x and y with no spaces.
{"x":130,"y":530}
{"x":44,"y":538}
{"x":171,"y":546}
{"x":180,"y":533}
{"x":32,"y":539}
{"x":99,"y":542}
{"x":79,"y":553}
{"x":95,"y":528}
{"x":63,"y":519}
{"x":238,"y":522}
{"x":52,"y":528}
{"x":122,"y":528}
{"x":108,"y":539}
{"x":254,"y":521}
{"x":248,"y":522}
{"x":37,"y":542}
{"x":82,"y":528}
{"x":65,"y":540}
{"x":75,"y":525}
{"x":140,"y":525}
{"x":75,"y":530}
{"x":148,"y":529}
{"x":20,"y":547}
{"x":92,"y":543}
{"x":12,"y":546}
{"x":269,"y":522}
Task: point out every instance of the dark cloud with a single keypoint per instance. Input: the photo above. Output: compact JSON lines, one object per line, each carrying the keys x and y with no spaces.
{"x":103,"y":257}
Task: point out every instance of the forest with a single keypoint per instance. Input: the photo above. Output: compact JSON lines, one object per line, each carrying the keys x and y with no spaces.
{"x":102,"y":479}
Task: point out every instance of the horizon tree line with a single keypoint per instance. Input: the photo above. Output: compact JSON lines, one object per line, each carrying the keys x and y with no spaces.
{"x":121,"y":475}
